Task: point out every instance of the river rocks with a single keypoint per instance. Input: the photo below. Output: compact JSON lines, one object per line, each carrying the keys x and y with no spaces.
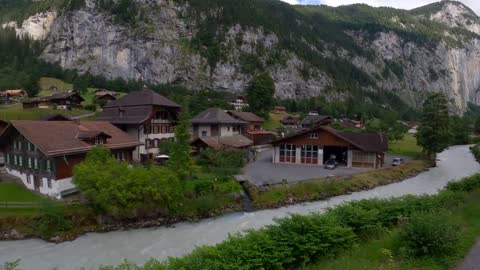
{"x":11,"y":235}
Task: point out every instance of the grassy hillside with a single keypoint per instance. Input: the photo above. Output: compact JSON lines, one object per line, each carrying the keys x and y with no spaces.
{"x":47,"y":83}
{"x":406,"y":147}
{"x":16,"y":112}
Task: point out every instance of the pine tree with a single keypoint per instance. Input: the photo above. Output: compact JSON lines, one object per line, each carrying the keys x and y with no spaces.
{"x":434,"y":134}
{"x":181,"y":161}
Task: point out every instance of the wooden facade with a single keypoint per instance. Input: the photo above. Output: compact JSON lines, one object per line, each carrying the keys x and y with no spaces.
{"x":321,"y":144}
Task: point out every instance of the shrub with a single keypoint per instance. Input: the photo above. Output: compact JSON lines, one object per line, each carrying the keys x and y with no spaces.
{"x":50,"y":221}
{"x":224,"y":163}
{"x":428,"y":234}
{"x":467,"y":185}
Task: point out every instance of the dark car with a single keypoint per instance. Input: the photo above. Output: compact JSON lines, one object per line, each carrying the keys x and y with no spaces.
{"x":397,"y":161}
{"x":330,"y":165}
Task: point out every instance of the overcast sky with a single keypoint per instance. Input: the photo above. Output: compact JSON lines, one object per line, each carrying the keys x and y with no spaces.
{"x":404,"y":4}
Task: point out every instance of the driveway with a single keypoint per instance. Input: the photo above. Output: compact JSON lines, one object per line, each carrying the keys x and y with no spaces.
{"x":263,"y":171}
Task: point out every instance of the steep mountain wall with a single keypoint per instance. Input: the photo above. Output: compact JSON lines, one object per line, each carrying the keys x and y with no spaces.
{"x":391,"y":58}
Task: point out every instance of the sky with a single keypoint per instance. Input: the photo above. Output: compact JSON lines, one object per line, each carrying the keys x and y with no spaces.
{"x":403,"y":4}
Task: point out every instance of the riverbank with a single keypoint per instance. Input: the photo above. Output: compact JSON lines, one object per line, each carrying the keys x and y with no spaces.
{"x":19,"y":227}
{"x":92,"y":250}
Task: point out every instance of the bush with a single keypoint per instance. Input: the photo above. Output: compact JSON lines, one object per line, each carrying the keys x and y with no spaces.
{"x":476,"y":151}
{"x":223,"y":163}
{"x":428,"y":234}
{"x":50,"y":222}
{"x":467,"y":185}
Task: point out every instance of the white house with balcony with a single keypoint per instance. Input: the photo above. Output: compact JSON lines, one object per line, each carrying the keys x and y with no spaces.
{"x":146,"y":115}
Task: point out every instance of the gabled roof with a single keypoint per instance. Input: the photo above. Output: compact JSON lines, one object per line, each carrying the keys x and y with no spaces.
{"x":371,"y":142}
{"x":15,"y":92}
{"x":142,"y":97}
{"x":246,"y":116}
{"x":55,"y":117}
{"x":314,"y":119}
{"x":215,"y":116}
{"x":235,"y":141}
{"x":57,"y":96}
{"x":57,"y":138}
{"x":290,"y":120}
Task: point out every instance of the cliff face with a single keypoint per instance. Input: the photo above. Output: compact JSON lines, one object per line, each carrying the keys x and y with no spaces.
{"x":159,"y":50}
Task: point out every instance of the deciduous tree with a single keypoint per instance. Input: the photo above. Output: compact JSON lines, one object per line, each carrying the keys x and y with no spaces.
{"x":260,"y":94}
{"x":434,"y":134}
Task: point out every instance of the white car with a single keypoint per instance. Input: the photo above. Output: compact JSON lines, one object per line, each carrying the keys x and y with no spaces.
{"x":397,"y":161}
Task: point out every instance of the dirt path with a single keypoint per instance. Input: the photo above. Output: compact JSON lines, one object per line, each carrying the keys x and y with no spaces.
{"x":472,"y":260}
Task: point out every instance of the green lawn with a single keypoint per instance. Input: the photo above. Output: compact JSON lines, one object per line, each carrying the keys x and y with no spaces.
{"x":16,"y":112}
{"x":45,"y":83}
{"x":376,"y":253}
{"x":406,"y":147}
{"x":274,"y":121}
{"x":14,"y":193}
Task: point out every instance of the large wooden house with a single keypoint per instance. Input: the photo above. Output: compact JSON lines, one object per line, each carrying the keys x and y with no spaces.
{"x":65,"y":101}
{"x":43,"y":153}
{"x":320,"y":144}
{"x":146,"y":115}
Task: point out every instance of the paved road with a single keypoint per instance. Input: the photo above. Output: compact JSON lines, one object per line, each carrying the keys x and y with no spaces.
{"x":263,"y":171}
{"x":472,"y":261}
{"x":94,"y":249}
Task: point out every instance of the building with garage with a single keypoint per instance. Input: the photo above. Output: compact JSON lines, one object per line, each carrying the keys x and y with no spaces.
{"x":318,"y":145}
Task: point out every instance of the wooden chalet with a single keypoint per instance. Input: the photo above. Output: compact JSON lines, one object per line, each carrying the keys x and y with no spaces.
{"x":43,"y":153}
{"x":65,"y":101}
{"x":279,"y":110}
{"x":146,"y":115}
{"x":311,"y":121}
{"x":320,"y":144}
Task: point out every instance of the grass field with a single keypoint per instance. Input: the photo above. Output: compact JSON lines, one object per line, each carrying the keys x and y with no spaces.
{"x":45,"y":83}
{"x":376,"y":253}
{"x":274,"y":121}
{"x":14,"y":193}
{"x":16,"y":112}
{"x":406,"y":147}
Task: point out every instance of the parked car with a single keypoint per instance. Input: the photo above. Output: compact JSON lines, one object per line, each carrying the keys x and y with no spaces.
{"x":330,"y":164}
{"x":397,"y":161}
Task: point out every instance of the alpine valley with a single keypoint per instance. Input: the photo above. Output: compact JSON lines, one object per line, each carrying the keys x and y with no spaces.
{"x":309,"y":51}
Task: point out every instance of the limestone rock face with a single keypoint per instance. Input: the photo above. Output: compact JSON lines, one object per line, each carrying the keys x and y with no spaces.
{"x":160,"y":51}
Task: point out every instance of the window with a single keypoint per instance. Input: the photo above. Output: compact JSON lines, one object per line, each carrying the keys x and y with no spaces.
{"x":40,"y":182}
{"x":228,"y":128}
{"x":148,"y":143}
{"x":313,"y":135}
{"x":29,"y":179}
{"x":8,"y":158}
{"x":35,"y":163}
{"x":204,"y":133}
{"x":49,"y":183}
{"x":147,"y":129}
{"x":99,"y":140}
{"x":20,"y":161}
{"x":48,"y":165}
{"x":15,"y":160}
{"x":171,"y":129}
{"x":29,"y":159}
{"x":288,"y":153}
{"x":309,"y":154}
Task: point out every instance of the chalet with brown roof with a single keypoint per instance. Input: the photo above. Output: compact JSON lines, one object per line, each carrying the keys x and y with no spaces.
{"x":291,"y":122}
{"x":311,"y":121}
{"x":105,"y":95}
{"x":43,"y":153}
{"x":253,"y":129}
{"x":279,"y":110}
{"x":323,"y":143}
{"x":9,"y":96}
{"x":64,"y":101}
{"x":215,"y":126}
{"x":146,"y":115}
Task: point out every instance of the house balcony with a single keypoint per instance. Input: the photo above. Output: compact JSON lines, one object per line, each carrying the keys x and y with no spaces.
{"x":162,"y":121}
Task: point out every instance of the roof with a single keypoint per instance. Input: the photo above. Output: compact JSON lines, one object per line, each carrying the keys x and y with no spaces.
{"x":55,"y":117}
{"x":57,"y":96}
{"x":247,"y":116}
{"x":371,"y":142}
{"x":289,"y":120}
{"x":235,"y":141}
{"x":142,"y":97}
{"x":314,"y":119}
{"x":215,"y":116}
{"x":91,"y":134}
{"x":57,"y":138}
{"x":280,"y":108}
{"x":260,"y":132}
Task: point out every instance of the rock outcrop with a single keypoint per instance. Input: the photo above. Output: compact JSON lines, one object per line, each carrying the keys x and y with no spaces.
{"x":160,"y":51}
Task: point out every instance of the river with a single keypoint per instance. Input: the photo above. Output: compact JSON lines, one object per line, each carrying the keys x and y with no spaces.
{"x":95,"y":249}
